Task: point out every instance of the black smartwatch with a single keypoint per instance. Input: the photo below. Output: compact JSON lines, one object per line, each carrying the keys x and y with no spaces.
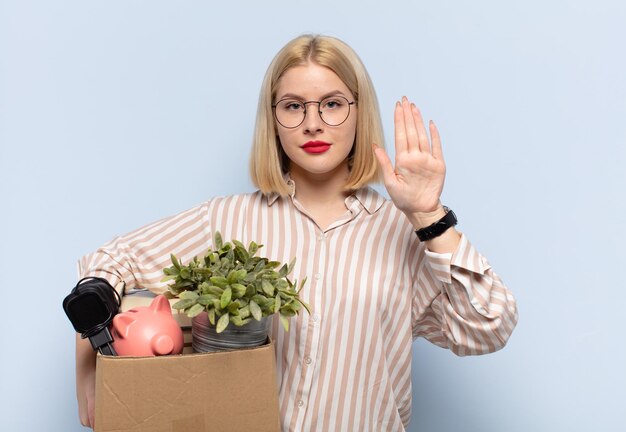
{"x":439,"y":227}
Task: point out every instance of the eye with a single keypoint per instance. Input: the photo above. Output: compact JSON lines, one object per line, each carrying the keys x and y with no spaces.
{"x":332,"y":103}
{"x":291,"y":105}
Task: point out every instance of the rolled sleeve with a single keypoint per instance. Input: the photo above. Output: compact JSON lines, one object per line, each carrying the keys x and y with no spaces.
{"x":470,"y":310}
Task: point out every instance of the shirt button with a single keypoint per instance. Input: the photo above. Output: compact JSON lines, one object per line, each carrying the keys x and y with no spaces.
{"x":307,"y":360}
{"x":321,"y":237}
{"x":315,"y":317}
{"x":317,"y":276}
{"x":300,"y":403}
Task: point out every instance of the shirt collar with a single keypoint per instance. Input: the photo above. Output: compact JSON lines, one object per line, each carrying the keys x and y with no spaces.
{"x":367,"y":197}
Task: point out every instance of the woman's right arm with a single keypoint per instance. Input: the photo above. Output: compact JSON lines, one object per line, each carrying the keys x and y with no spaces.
{"x":136,"y":260}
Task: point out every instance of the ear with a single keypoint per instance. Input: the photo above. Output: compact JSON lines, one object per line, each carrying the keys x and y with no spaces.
{"x":122,"y":322}
{"x":160,"y":304}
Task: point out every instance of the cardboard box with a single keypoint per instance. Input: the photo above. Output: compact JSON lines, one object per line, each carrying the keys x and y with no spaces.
{"x":224,"y":391}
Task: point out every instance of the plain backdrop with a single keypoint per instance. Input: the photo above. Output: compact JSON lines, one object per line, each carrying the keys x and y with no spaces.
{"x":114,"y":114}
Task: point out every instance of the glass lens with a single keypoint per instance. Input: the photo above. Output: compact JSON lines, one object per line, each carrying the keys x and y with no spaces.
{"x":290,"y":112}
{"x":334,"y":110}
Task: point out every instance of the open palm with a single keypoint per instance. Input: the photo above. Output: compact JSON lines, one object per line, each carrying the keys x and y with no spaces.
{"x":416,"y":181}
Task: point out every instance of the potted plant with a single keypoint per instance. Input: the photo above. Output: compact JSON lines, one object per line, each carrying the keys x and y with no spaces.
{"x":231,"y":290}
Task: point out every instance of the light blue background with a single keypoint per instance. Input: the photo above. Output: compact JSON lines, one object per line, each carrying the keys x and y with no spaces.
{"x":114,"y":114}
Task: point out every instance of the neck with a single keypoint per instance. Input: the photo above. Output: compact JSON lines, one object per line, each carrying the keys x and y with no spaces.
{"x":320,"y":189}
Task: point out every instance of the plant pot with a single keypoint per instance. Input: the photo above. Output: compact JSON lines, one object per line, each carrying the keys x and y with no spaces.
{"x":206,"y":339}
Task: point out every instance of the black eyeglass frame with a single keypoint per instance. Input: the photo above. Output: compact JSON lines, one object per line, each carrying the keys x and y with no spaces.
{"x":319,"y":104}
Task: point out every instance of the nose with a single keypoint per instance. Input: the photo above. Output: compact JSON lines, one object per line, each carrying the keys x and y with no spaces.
{"x":312,"y":120}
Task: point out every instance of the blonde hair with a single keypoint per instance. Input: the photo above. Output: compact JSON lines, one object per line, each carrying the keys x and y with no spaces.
{"x":268,"y":162}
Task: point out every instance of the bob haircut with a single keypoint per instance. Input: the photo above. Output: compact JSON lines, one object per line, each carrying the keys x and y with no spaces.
{"x":268,"y":161}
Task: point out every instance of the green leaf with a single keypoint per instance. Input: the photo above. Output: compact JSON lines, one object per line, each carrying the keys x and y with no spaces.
{"x":259,"y":299}
{"x":215,"y":290}
{"x":211,"y":315}
{"x":238,"y":321}
{"x":217,"y":240}
{"x":204,"y":288}
{"x":170,"y":271}
{"x":185,"y":273}
{"x":268,"y":288}
{"x":255,"y":310}
{"x":260,"y":266}
{"x":220,"y":281}
{"x":283,"y":271}
{"x":244,"y":312}
{"x":250,"y":277}
{"x":206,"y":299}
{"x":233,"y":308}
{"x":284,"y":321}
{"x":302,"y":284}
{"x":253,"y":248}
{"x":226,"y":297}
{"x":191,"y":295}
{"x":222,"y":323}
{"x":175,"y":261}
{"x":272,"y":264}
{"x":183,"y":304}
{"x":276,"y":303}
{"x":238,"y":290}
{"x":292,"y":264}
{"x":194,"y":310}
{"x":306,"y":306}
{"x":236,"y":275}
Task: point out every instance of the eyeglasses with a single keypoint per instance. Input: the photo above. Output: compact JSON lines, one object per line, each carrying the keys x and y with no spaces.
{"x":333,"y":110}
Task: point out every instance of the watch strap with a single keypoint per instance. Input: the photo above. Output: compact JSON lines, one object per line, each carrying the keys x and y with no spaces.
{"x":436,"y":229}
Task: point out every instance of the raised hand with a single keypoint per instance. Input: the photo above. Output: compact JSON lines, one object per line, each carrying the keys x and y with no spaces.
{"x":416,"y":181}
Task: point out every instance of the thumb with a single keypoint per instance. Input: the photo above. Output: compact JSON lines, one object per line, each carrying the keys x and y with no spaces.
{"x":385,"y":164}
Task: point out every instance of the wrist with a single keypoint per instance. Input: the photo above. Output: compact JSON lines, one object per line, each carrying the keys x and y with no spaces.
{"x":421,"y":220}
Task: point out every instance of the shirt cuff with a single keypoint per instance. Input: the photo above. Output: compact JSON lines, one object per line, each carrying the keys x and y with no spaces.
{"x":465,"y":256}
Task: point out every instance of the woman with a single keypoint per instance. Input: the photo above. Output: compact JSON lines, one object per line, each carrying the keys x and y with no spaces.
{"x":374,"y":285}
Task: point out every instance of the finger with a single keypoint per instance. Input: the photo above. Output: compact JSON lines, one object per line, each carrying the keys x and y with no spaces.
{"x":400,"y":132}
{"x":412,"y":138}
{"x":421,"y":129}
{"x":385,"y":165}
{"x":436,"y":139}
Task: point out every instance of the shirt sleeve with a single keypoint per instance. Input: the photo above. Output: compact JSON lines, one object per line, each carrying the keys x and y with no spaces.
{"x":137,"y":259}
{"x":460,"y":303}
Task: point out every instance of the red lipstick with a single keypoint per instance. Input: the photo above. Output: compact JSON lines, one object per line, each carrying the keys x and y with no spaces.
{"x":316,"y":147}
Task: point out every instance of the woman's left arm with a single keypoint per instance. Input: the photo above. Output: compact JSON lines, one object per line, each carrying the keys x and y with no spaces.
{"x":463,"y":305}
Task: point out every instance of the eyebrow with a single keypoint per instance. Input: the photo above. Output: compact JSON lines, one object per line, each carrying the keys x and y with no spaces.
{"x":295,"y":96}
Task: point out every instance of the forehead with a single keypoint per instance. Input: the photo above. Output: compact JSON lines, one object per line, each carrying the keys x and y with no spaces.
{"x":310,"y":81}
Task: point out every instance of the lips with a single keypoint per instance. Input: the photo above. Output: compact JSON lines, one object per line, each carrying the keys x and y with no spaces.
{"x":316,"y":147}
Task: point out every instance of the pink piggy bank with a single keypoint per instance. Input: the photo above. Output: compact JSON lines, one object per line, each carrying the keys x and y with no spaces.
{"x":147,"y":331}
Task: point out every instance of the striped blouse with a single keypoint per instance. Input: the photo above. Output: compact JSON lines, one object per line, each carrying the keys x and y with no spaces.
{"x":372,"y":286}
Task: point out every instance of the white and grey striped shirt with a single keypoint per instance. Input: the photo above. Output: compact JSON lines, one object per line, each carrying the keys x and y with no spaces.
{"x":372,"y":286}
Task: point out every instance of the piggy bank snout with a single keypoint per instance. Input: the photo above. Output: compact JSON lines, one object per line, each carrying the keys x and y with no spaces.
{"x":162,"y":344}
